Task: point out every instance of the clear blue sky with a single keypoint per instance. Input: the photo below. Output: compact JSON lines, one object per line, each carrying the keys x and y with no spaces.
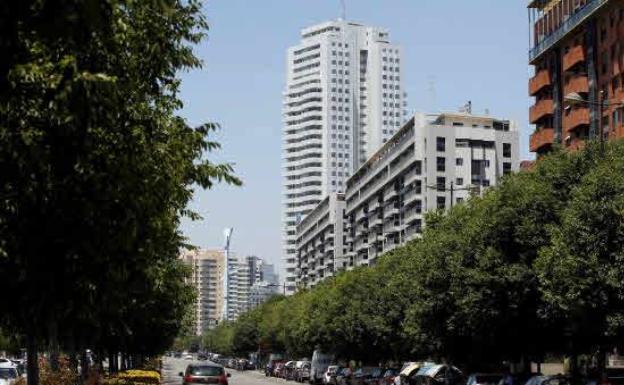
{"x":454,"y":51}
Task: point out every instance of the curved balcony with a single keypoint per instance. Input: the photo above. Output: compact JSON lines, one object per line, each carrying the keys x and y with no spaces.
{"x":542,"y":109}
{"x":576,"y":118}
{"x":538,"y":82}
{"x":541,"y":138}
{"x":574,"y":57}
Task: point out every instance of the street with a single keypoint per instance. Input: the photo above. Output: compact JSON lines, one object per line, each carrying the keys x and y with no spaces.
{"x":173,"y":366}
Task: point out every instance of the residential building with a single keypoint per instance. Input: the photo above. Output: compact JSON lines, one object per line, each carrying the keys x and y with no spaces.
{"x":320,"y":241}
{"x":576,"y":53}
{"x":208,"y":267}
{"x":343,"y":99}
{"x":238,"y":287}
{"x":432,"y":163}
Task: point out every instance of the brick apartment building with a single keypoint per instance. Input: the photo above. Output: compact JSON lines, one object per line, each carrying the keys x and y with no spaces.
{"x":578,"y":56}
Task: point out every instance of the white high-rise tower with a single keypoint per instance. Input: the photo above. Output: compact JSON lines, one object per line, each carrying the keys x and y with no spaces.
{"x":344,"y":98}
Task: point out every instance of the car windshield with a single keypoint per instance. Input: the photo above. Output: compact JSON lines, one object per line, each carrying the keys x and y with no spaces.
{"x":8,"y":373}
{"x":390,"y":373}
{"x":206,"y":371}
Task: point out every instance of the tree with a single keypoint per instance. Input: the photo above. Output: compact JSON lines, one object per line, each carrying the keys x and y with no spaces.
{"x":97,"y":168}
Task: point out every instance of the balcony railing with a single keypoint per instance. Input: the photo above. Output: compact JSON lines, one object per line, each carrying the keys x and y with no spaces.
{"x":575,"y":56}
{"x":570,"y":24}
{"x":539,"y":81}
{"x":540,"y":110}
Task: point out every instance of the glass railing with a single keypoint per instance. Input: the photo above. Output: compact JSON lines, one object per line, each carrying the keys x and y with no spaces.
{"x":568,"y":25}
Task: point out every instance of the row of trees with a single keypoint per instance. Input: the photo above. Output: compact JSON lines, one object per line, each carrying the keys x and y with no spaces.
{"x":96,"y":173}
{"x":533,"y":267}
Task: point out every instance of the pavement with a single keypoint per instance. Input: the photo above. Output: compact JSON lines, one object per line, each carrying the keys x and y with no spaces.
{"x":173,"y":366}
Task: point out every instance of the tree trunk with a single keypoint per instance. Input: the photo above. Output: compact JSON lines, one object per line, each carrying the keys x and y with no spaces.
{"x":54,"y":346}
{"x":33,"y":360}
{"x":112,"y":362}
{"x":84,"y":364}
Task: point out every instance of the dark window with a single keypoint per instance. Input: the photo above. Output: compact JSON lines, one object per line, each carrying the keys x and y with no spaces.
{"x":459,"y":181}
{"x":486,"y":182}
{"x":418,"y":206}
{"x":441,"y":203}
{"x":507,"y":150}
{"x":441,"y":164}
{"x":459,"y":161}
{"x":506,"y":168}
{"x":458,"y":124}
{"x":460,"y":200}
{"x":418,"y":167}
{"x":440,"y":144}
{"x":441,"y":183}
{"x":418,"y":187}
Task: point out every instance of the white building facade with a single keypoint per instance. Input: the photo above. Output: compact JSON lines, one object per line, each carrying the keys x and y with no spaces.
{"x":432,"y":163}
{"x":320,"y":248}
{"x":343,"y":99}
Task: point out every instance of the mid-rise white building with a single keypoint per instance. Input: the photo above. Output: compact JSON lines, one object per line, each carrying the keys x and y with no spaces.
{"x":343,"y":99}
{"x":432,"y":163}
{"x":320,"y":247}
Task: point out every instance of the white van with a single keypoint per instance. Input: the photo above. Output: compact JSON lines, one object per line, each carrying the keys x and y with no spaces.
{"x":320,"y":362}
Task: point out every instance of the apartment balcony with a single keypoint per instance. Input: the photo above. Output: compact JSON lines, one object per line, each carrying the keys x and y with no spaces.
{"x":541,"y":138}
{"x":574,"y":57}
{"x":574,"y":21}
{"x":542,"y":109}
{"x":538,"y":82}
{"x":576,"y":118}
{"x":578,"y":84}
{"x":376,"y":221}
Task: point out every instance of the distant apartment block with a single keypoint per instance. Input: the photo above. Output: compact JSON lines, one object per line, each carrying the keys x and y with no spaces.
{"x":343,"y":99}
{"x":208,"y":267}
{"x":576,"y":53}
{"x":432,"y":163}
{"x":320,"y":241}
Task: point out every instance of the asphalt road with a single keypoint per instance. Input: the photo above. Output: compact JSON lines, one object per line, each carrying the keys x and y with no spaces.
{"x":173,"y":366}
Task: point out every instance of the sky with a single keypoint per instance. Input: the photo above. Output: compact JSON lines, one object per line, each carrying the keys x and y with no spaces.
{"x":453,"y":51}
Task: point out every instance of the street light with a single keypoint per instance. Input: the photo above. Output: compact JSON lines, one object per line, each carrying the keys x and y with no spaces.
{"x":575,"y":99}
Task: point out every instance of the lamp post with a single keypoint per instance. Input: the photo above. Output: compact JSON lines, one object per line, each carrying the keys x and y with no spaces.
{"x":575,"y":99}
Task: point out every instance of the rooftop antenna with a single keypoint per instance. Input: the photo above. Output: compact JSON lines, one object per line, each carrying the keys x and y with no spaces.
{"x":343,"y":7}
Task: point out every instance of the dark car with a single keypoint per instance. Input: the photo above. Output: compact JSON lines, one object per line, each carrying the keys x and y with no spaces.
{"x":484,"y":379}
{"x":388,"y":377}
{"x":374,"y":377}
{"x":202,"y":356}
{"x":204,"y":374}
{"x":344,"y":376}
{"x":548,"y":380}
{"x":362,"y":375}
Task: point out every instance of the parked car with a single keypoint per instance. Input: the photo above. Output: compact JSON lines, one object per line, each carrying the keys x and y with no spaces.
{"x":329,"y":377}
{"x":408,"y":370}
{"x":289,"y":370}
{"x":388,"y":376}
{"x":437,"y":375}
{"x":269,"y":369}
{"x":279,"y":369}
{"x":302,"y":371}
{"x":375,"y":376}
{"x":548,"y":380}
{"x":361,"y":375}
{"x":8,"y":373}
{"x":614,"y":376}
{"x":202,"y":356}
{"x":484,"y":379}
{"x":344,"y":377}
{"x":188,"y":357}
{"x":204,"y":374}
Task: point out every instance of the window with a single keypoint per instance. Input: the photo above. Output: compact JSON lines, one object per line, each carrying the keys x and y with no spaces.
{"x":459,"y":181}
{"x":458,"y":124}
{"x":506,"y":168}
{"x":460,"y":200}
{"x":486,"y":182}
{"x":440,"y":183}
{"x":507,"y":150}
{"x":440,"y":143}
{"x":418,"y":187}
{"x":441,"y":164}
{"x":418,"y":206}
{"x":441,"y":202}
{"x":459,"y":161}
{"x":417,"y":167}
